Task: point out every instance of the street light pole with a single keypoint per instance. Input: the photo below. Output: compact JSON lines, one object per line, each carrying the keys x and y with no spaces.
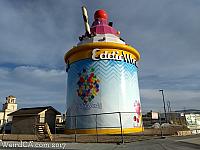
{"x":163,"y":98}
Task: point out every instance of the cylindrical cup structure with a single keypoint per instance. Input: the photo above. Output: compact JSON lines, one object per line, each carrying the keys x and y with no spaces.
{"x":102,"y":89}
{"x":102,"y":83}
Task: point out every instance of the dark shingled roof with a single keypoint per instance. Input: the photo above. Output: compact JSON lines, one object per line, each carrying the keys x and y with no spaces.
{"x":32,"y":111}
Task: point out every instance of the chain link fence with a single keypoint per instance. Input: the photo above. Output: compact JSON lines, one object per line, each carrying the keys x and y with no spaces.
{"x":151,"y":127}
{"x":114,"y":127}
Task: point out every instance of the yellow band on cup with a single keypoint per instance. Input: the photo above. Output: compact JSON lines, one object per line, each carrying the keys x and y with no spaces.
{"x":85,"y":51}
{"x":104,"y":131}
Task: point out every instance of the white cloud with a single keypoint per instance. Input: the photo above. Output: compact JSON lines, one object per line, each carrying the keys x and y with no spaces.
{"x":34,"y":86}
{"x":36,"y":35}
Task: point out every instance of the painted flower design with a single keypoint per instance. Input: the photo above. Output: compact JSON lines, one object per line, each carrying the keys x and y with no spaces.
{"x":138,"y":111}
{"x":88,"y":85}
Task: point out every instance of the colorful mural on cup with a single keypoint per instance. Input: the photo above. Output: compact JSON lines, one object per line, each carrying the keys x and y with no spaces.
{"x":88,"y":85}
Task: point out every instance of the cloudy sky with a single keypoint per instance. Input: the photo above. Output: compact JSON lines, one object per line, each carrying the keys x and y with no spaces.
{"x":35,"y":35}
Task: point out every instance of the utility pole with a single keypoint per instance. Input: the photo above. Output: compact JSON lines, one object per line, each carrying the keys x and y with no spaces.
{"x":163,"y":98}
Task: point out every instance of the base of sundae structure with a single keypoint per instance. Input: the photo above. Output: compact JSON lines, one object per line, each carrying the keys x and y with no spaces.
{"x":104,"y":131}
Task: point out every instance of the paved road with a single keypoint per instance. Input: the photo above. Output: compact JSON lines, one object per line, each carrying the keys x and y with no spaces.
{"x":171,"y":143}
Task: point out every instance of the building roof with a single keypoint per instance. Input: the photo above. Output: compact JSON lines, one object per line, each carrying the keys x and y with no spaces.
{"x":11,"y":96}
{"x":32,"y":111}
{"x":188,"y":111}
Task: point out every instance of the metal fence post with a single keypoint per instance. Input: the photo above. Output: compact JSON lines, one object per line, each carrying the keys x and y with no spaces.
{"x":55,"y":131}
{"x":120,"y":119}
{"x":75,"y":129}
{"x":160,"y":126}
{"x":96,"y":128}
{"x":196,"y":123}
{"x":35,"y":129}
{"x":142,"y":126}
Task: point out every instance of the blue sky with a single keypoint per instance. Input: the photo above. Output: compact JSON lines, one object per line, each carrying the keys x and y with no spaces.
{"x":35,"y":35}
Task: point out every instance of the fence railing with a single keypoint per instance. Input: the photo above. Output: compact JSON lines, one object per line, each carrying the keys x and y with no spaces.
{"x":170,"y":125}
{"x":115,"y":121}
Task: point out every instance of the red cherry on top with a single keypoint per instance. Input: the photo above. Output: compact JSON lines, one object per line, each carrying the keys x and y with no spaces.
{"x":101,"y":14}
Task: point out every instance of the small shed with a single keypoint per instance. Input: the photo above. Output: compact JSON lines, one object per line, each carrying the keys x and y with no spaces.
{"x":25,"y":119}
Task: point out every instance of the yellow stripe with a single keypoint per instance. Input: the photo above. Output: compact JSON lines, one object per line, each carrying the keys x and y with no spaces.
{"x":85,"y":51}
{"x":105,"y":131}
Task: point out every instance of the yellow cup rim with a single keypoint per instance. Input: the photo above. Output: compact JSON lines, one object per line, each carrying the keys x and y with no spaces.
{"x":102,"y":45}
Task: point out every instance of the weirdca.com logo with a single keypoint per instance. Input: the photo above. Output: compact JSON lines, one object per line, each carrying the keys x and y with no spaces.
{"x":88,"y":85}
{"x":31,"y":145}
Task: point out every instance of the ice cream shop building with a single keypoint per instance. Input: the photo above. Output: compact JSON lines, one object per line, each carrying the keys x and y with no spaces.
{"x":102,"y":81}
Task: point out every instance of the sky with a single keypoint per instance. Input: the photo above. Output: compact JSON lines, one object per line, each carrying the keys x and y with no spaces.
{"x":35,"y":35}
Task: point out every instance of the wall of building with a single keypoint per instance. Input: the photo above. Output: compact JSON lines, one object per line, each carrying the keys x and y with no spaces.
{"x":50,"y":118}
{"x":5,"y":118}
{"x":8,"y":107}
{"x":1,"y":118}
{"x":23,"y":125}
{"x":42,"y":116}
{"x":59,"y":119}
